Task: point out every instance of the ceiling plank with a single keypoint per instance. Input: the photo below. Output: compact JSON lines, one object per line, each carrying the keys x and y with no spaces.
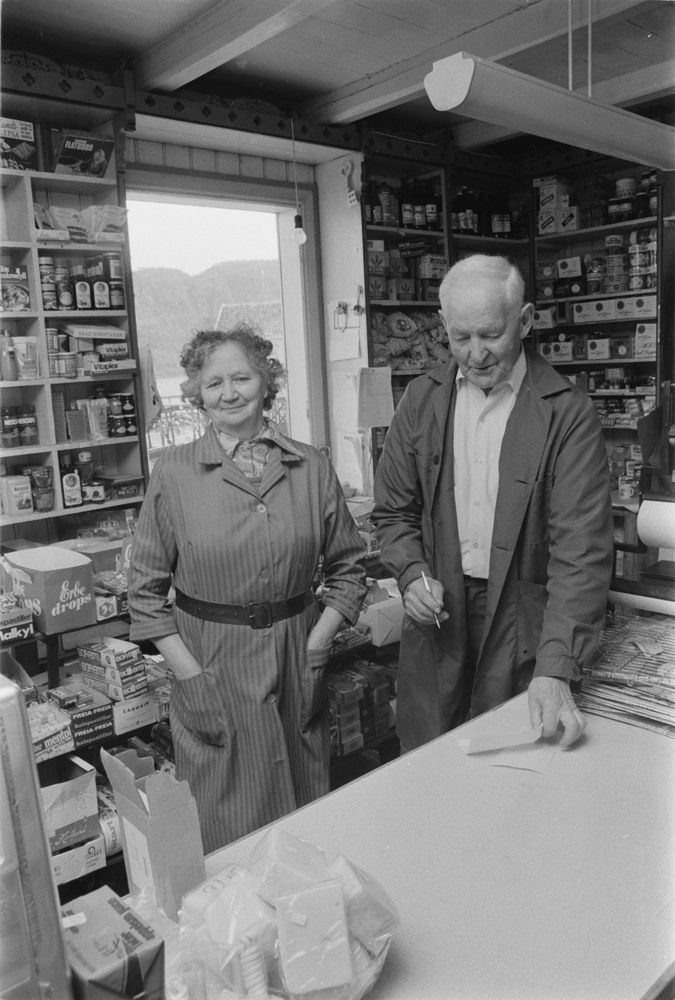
{"x":498,"y":39}
{"x":632,"y":88}
{"x":225,"y":32}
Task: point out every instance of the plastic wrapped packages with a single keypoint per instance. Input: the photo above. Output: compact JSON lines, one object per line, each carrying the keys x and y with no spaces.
{"x":297,"y":923}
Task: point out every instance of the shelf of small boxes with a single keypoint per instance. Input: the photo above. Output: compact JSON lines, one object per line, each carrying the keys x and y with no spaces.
{"x":361,"y":713}
{"x":110,"y":690}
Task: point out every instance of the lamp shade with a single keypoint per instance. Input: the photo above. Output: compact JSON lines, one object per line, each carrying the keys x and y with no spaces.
{"x":493,"y":93}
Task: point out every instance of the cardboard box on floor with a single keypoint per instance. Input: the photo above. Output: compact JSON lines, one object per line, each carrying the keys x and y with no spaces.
{"x":161,"y":838}
{"x":111,"y":951}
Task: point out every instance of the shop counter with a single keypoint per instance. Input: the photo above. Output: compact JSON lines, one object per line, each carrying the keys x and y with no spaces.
{"x":512,"y":883}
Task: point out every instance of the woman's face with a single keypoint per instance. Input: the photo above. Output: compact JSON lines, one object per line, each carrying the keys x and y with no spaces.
{"x":232,"y":391}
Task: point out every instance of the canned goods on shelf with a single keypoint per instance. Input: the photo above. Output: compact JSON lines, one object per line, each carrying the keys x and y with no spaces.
{"x":115,"y":404}
{"x":117,"y":426}
{"x":128,"y":405}
{"x":116,"y":292}
{"x":112,"y":264}
{"x":130,"y":425}
{"x":93,"y":492}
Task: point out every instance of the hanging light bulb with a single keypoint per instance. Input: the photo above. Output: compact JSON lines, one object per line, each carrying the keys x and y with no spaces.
{"x":299,"y":234}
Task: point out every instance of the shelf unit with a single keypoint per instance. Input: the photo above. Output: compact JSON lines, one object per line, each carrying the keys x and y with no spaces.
{"x":404,"y":267}
{"x":120,"y":457}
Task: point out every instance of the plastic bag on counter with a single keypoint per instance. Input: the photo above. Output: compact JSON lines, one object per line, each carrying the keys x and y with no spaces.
{"x":297,"y":923}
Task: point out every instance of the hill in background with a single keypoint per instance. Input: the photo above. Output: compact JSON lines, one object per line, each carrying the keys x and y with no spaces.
{"x":171,"y":305}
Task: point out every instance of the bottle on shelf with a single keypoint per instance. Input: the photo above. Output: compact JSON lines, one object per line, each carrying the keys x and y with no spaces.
{"x":419,"y":205}
{"x":499,"y":215}
{"x":9,"y":370}
{"x":432,"y":205}
{"x":71,"y":486}
{"x":406,"y":204}
{"x":376,"y":204}
{"x":81,"y":288}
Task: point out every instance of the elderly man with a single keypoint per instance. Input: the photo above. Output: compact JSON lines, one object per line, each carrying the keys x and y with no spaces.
{"x":493,"y":512}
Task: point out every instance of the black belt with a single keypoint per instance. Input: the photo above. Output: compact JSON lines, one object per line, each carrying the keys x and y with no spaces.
{"x":257,"y":614}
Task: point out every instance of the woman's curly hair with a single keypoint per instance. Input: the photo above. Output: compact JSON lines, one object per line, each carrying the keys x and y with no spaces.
{"x":257,"y":349}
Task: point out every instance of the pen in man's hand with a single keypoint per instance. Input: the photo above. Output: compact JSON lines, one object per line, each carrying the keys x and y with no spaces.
{"x":428,"y":589}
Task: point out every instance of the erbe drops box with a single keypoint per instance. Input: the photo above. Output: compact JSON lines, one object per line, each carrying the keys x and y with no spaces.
{"x":57,"y":585}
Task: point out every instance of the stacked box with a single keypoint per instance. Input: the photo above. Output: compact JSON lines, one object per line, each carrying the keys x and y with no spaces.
{"x":345,"y":692}
{"x":90,"y":711}
{"x":49,"y":731}
{"x":69,"y":804}
{"x":114,"y":667}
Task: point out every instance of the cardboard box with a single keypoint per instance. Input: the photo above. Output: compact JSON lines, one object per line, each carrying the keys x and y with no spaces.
{"x":50,"y":731}
{"x":598,"y":349}
{"x":14,"y":289}
{"x":82,"y":153}
{"x":134,"y":713}
{"x":593,"y":310}
{"x":91,"y":717}
{"x":562,"y":351}
{"x":377,"y":286}
{"x":378,"y":261}
{"x":566,"y":219}
{"x":569,"y":267}
{"x":161,"y":837}
{"x":19,"y":148}
{"x":644,"y":342}
{"x":15,"y":496}
{"x":546,"y":222}
{"x":113,"y":656}
{"x":112,"y":952}
{"x":645,"y":305}
{"x":11,"y":668}
{"x":78,"y":861}
{"x":545,"y":319}
{"x":61,"y":590}
{"x":105,"y":554}
{"x":384,"y":620}
{"x":15,"y":623}
{"x":69,"y":804}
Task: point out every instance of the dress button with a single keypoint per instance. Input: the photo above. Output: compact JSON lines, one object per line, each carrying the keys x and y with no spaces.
{"x":271,"y":699}
{"x":261,"y":508}
{"x":436,"y":459}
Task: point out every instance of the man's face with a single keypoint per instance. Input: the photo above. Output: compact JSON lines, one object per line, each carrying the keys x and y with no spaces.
{"x":485,"y":330}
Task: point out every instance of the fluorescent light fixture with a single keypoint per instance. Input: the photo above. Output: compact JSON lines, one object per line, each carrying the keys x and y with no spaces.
{"x":492,"y":93}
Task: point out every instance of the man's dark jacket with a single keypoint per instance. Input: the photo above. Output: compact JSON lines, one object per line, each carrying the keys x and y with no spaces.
{"x":551,"y":554}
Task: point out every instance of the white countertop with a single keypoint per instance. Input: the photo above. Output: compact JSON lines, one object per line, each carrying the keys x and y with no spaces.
{"x":514,"y":884}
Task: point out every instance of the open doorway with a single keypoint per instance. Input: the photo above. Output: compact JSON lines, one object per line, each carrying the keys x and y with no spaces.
{"x":207,"y":264}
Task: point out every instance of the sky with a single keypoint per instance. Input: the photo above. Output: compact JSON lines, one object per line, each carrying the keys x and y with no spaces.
{"x":193,"y":237}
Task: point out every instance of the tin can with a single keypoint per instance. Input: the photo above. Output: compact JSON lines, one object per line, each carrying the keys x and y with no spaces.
{"x":637,"y":279}
{"x":115,"y":405}
{"x":64,"y":290}
{"x":93,"y":491}
{"x":50,"y":300}
{"x":614,"y":242}
{"x":128,"y":405}
{"x":117,"y":426}
{"x":68,"y":360}
{"x":130,"y":425}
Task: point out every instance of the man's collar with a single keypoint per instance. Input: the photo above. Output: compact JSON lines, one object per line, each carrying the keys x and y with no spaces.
{"x":515,"y":378}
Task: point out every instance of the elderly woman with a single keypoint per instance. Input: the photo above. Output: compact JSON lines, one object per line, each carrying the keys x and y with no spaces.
{"x":239,"y":522}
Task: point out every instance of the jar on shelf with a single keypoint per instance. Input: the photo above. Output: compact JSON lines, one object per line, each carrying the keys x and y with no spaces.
{"x":28,"y":426}
{"x":595,"y":276}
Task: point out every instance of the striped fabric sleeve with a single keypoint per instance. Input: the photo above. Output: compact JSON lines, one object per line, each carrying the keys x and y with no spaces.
{"x":343,"y":552}
{"x":153,"y":557}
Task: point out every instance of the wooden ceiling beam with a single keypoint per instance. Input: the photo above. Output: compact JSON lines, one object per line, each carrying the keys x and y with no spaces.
{"x":226,"y":31}
{"x":532,"y":24}
{"x":645,"y":84}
